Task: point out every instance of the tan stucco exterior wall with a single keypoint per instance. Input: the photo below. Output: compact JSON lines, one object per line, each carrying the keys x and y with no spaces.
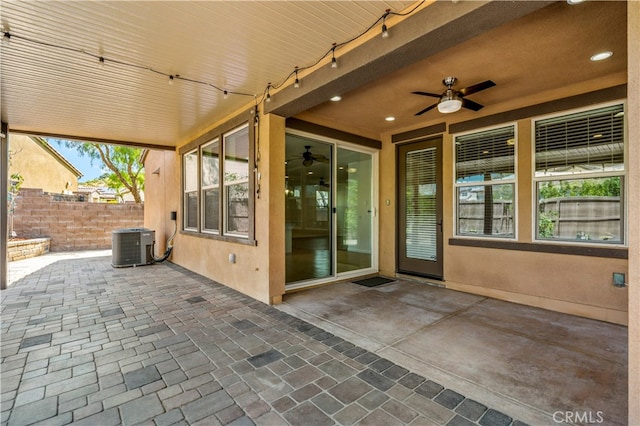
{"x":633,"y":179}
{"x":273,"y":224}
{"x":259,"y":269}
{"x":572,"y":284}
{"x":30,"y":160}
{"x":162,"y":189}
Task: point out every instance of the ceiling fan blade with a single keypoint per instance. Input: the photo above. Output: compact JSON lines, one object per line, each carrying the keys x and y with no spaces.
{"x":466,"y":103}
{"x":427,"y":109}
{"x":476,"y":88}
{"x":433,"y":95}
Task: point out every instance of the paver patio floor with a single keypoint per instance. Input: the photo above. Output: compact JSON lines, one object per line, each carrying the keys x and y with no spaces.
{"x":86,"y":343}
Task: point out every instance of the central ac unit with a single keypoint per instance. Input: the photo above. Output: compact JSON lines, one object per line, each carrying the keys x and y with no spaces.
{"x":132,"y":247}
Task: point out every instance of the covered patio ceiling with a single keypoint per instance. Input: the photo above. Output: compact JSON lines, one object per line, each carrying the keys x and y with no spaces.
{"x":56,"y":85}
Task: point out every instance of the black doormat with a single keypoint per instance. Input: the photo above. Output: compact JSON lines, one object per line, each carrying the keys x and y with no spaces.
{"x":374,"y":281}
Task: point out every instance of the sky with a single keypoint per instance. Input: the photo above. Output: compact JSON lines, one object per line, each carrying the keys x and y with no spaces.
{"x":83,"y":164}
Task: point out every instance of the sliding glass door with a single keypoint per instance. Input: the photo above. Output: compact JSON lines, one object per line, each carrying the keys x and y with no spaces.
{"x":354,"y":210}
{"x":308,"y":204}
{"x":329,"y":210}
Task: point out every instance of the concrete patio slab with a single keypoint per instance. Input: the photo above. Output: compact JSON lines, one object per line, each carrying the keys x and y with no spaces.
{"x":530,"y":362}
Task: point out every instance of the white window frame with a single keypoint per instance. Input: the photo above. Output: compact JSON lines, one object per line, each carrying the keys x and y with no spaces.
{"x":536,"y":180}
{"x":188,"y":190}
{"x":514,"y":182}
{"x":204,"y":188}
{"x":227,"y":184}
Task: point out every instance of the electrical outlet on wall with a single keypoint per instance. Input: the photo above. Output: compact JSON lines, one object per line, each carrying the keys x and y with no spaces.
{"x":619,"y":279}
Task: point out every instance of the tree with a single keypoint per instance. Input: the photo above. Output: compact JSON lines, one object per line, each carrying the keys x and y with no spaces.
{"x":123,"y":162}
{"x":15,"y":182}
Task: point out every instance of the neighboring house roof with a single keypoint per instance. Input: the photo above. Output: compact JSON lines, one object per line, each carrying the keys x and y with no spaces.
{"x":104,"y":193}
{"x":55,"y":154}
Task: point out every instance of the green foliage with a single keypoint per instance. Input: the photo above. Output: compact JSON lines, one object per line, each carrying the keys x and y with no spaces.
{"x":609,"y":187}
{"x":15,"y":182}
{"x":126,"y":171}
{"x":590,"y":187}
{"x":547,"y":224}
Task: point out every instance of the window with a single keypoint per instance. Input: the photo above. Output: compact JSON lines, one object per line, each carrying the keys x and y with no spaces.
{"x":485,"y":183}
{"x":579,"y":176}
{"x":190,"y":167}
{"x":210,"y":187}
{"x":217,"y":187}
{"x":236,"y":181}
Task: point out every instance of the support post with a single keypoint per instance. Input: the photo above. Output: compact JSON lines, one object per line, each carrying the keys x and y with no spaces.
{"x":4,"y":178}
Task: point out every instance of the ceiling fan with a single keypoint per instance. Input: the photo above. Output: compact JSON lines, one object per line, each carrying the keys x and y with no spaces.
{"x":323,"y":184}
{"x":308,"y":157}
{"x":452,"y":100}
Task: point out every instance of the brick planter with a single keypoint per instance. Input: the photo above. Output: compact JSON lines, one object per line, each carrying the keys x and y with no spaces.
{"x":24,"y":249}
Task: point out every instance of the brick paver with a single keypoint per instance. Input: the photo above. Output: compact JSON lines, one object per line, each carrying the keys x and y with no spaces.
{"x":86,"y":343}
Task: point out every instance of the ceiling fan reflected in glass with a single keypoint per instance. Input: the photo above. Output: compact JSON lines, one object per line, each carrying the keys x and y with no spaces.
{"x":452,"y":100}
{"x":322,"y":183}
{"x":308,"y":158}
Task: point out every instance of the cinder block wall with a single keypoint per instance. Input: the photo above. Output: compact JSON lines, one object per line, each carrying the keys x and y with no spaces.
{"x":72,"y":225}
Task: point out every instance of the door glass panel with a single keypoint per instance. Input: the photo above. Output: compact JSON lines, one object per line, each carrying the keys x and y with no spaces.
{"x":421,"y":205}
{"x":353,"y":210}
{"x":308,"y":208}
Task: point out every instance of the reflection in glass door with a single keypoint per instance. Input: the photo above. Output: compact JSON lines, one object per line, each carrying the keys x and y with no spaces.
{"x":329,"y":210}
{"x":308,"y":207}
{"x":354,"y":210}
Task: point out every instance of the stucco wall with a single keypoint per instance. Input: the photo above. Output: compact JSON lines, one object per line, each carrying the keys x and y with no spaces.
{"x":259,"y":269}
{"x":574,"y":284}
{"x":38,"y":167}
{"x":162,"y":195}
{"x":580,"y":285}
{"x":72,"y":225}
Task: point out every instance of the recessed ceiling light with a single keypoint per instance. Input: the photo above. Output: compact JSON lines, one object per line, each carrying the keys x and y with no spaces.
{"x":572,"y":2}
{"x":336,"y":98}
{"x":602,"y":56}
{"x":390,"y":118}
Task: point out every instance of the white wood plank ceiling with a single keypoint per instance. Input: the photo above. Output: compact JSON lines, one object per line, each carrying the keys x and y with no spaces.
{"x":238,"y":46}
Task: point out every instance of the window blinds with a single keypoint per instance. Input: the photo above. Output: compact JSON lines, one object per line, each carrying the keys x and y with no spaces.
{"x":581,"y":142}
{"x":421,"y":206}
{"x":486,"y":155}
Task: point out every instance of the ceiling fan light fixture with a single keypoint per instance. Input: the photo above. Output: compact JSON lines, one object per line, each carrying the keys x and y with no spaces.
{"x":449,"y":105}
{"x":601,"y":56}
